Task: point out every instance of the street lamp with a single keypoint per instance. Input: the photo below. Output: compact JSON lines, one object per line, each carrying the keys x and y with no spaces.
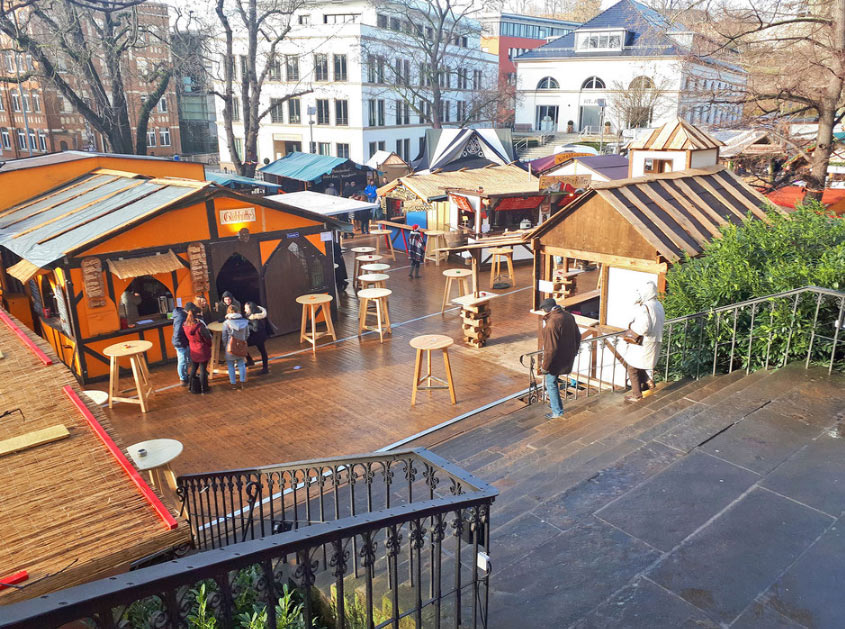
{"x":311,"y":111}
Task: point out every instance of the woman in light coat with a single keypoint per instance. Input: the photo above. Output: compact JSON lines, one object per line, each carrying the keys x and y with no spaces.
{"x":648,"y":322}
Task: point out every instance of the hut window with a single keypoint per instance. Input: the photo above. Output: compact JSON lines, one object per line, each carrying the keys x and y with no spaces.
{"x":145,"y":298}
{"x":657,"y":166}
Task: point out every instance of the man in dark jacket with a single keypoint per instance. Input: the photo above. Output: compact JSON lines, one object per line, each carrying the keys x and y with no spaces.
{"x":561,"y":340}
{"x":226,"y":299}
{"x":180,"y":344}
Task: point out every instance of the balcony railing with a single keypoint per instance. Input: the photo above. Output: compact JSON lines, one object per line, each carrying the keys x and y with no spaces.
{"x":369,"y":541}
{"x":806,"y":324}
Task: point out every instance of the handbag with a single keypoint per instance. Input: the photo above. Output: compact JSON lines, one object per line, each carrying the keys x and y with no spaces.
{"x":632,"y":337}
{"x":237,"y":347}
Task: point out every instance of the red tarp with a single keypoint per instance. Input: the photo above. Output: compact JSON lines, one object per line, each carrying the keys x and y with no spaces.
{"x":790,"y":196}
{"x":519,"y":203}
{"x":463,"y":203}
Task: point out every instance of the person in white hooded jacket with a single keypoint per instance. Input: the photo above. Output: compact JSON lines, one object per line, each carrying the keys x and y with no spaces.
{"x":238,"y":327}
{"x":648,"y":322}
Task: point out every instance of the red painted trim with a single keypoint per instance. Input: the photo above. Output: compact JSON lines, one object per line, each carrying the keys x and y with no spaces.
{"x":145,"y":490}
{"x":26,"y":340}
{"x":12,"y":579}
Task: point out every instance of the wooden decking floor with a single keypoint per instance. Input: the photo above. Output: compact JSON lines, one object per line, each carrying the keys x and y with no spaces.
{"x":353,"y":396}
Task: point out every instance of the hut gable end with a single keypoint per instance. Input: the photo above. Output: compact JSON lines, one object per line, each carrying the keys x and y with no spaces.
{"x":596,"y":226}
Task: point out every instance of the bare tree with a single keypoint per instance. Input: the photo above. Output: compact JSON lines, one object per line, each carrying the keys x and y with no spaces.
{"x":86,"y":51}
{"x":424,"y":57}
{"x":636,"y":103}
{"x":252,"y":33}
{"x":795,"y":53}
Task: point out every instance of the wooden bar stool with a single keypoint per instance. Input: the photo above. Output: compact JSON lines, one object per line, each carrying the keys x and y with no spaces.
{"x":374,"y":280}
{"x":388,"y":244}
{"x":134,"y":351}
{"x":311,"y":305}
{"x":435,"y":240}
{"x":376,"y":267}
{"x":499,"y":254}
{"x":426,"y":344}
{"x":369,"y":258}
{"x":381,"y":313}
{"x":359,"y":251}
{"x":458,"y":276}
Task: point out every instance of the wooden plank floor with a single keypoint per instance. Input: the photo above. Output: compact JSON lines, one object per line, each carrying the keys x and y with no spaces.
{"x":353,"y":396}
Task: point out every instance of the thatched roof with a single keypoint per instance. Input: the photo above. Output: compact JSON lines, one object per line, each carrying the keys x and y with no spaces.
{"x":494,"y":179}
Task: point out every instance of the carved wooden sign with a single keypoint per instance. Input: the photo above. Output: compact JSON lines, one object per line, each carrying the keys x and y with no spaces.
{"x":92,"y":277}
{"x":199,"y":266}
{"x":576,"y":181}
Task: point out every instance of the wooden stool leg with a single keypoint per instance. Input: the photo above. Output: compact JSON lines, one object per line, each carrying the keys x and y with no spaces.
{"x":362,"y":314}
{"x":428,"y":365}
{"x":462,"y":287}
{"x":446,"y":294}
{"x":390,"y":246}
{"x":389,"y":330}
{"x":327,"y":313}
{"x":378,"y":320}
{"x":417,"y":367}
{"x":313,"y":329}
{"x":169,"y":477}
{"x":140,"y":389}
{"x":114,"y":374}
{"x":493,"y":262}
{"x":448,"y":366}
{"x":510,"y":269}
{"x":303,"y":324}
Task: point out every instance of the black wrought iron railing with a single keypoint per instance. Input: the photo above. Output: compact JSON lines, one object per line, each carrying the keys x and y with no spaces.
{"x":805,"y":324}
{"x":401,"y":540}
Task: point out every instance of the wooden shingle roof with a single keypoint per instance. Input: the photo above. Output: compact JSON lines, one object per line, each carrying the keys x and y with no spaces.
{"x":495,"y":179}
{"x":677,"y":135}
{"x":677,"y":213}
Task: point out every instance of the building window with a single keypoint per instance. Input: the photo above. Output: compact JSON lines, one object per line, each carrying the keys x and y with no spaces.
{"x":425,"y":75}
{"x":274,"y":69}
{"x":463,"y":78}
{"x":10,"y":61}
{"x":325,"y":148}
{"x":164,"y":134}
{"x":341,"y":18}
{"x":36,"y":101}
{"x":21,"y":140}
{"x":16,"y":100}
{"x":641,"y":83}
{"x":294,"y":116}
{"x":395,"y":24}
{"x":323,"y":111}
{"x":276,"y":114}
{"x":548,"y":83}
{"x":341,"y":113}
{"x":151,"y":138}
{"x":445,"y":110}
{"x":321,"y":67}
{"x":375,"y":69}
{"x":236,"y":109}
{"x":292,"y":67}
{"x":380,"y":104}
{"x":342,"y":150}
{"x":403,"y":148}
{"x":461,"y":111}
{"x":657,"y":166}
{"x":7,"y":141}
{"x":304,"y":20}
{"x":33,"y":141}
{"x":2,"y":106}
{"x":26,"y":105}
{"x":239,"y":148}
{"x":421,"y":145}
{"x":476,"y":79}
{"x":376,"y":146}
{"x":593,"y":83}
{"x":42,"y":141}
{"x":371,"y":112}
{"x":403,"y":112}
{"x":339,"y":67}
{"x":244,"y":68}
{"x":381,"y":22}
{"x":162,"y":105}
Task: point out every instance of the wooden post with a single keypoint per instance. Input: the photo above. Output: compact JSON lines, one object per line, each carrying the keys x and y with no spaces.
{"x":603,"y":277}
{"x":476,"y":254}
{"x":535,"y":290}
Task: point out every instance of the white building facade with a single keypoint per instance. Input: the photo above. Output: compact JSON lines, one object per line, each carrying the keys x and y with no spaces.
{"x":353,"y":110}
{"x":625,"y":68}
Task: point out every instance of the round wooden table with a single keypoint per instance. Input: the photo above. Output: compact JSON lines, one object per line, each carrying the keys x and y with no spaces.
{"x":382,"y":314}
{"x":458,"y":276}
{"x":388,"y":245}
{"x":216,"y":329}
{"x":435,"y":240}
{"x":425,"y":344}
{"x":154,"y":457}
{"x":134,"y":351}
{"x":312,"y":305}
{"x":374,"y":280}
{"x":376,"y":267}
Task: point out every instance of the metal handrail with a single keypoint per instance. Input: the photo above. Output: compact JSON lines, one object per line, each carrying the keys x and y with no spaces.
{"x":736,"y":338}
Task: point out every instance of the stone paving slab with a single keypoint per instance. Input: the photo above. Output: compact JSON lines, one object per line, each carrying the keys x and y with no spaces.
{"x":680,"y":499}
{"x":760,"y":616}
{"x":761,"y":441}
{"x":814,"y":476}
{"x":645,"y":605}
{"x":726,"y":565}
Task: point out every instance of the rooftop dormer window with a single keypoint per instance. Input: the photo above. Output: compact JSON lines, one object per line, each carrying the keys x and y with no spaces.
{"x":596,"y":41}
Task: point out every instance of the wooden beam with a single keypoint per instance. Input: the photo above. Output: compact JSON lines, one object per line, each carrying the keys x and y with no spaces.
{"x":667,"y":231}
{"x":711,"y":226}
{"x":635,"y":264}
{"x":701,"y":181}
{"x":603,"y":277}
{"x":677,"y":216}
{"x":32,"y":439}
{"x":692,"y":194}
{"x":755,"y":209}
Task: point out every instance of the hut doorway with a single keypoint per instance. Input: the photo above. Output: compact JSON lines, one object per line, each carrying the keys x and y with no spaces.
{"x":240,"y":277}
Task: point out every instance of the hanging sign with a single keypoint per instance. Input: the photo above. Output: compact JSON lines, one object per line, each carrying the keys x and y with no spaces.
{"x":199,"y":266}
{"x":92,"y":277}
{"x":239,"y":215}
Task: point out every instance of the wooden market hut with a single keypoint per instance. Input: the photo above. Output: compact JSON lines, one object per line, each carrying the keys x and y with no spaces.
{"x":306,"y":171}
{"x":76,"y":250}
{"x":633,"y":229}
{"x":388,"y":166}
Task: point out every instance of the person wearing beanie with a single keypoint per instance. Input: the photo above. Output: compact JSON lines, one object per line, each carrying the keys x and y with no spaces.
{"x":561,"y":341}
{"x":416,"y":250}
{"x":180,"y":343}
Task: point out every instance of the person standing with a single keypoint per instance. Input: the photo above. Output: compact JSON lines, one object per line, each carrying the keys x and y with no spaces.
{"x":129,"y":302}
{"x":648,"y":323}
{"x":235,"y":332}
{"x":199,"y":343}
{"x":416,"y":250}
{"x":561,"y":340}
{"x":180,"y":344}
{"x":257,"y":319}
{"x":370,"y":191}
{"x":226,"y":299}
{"x":203,"y":309}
